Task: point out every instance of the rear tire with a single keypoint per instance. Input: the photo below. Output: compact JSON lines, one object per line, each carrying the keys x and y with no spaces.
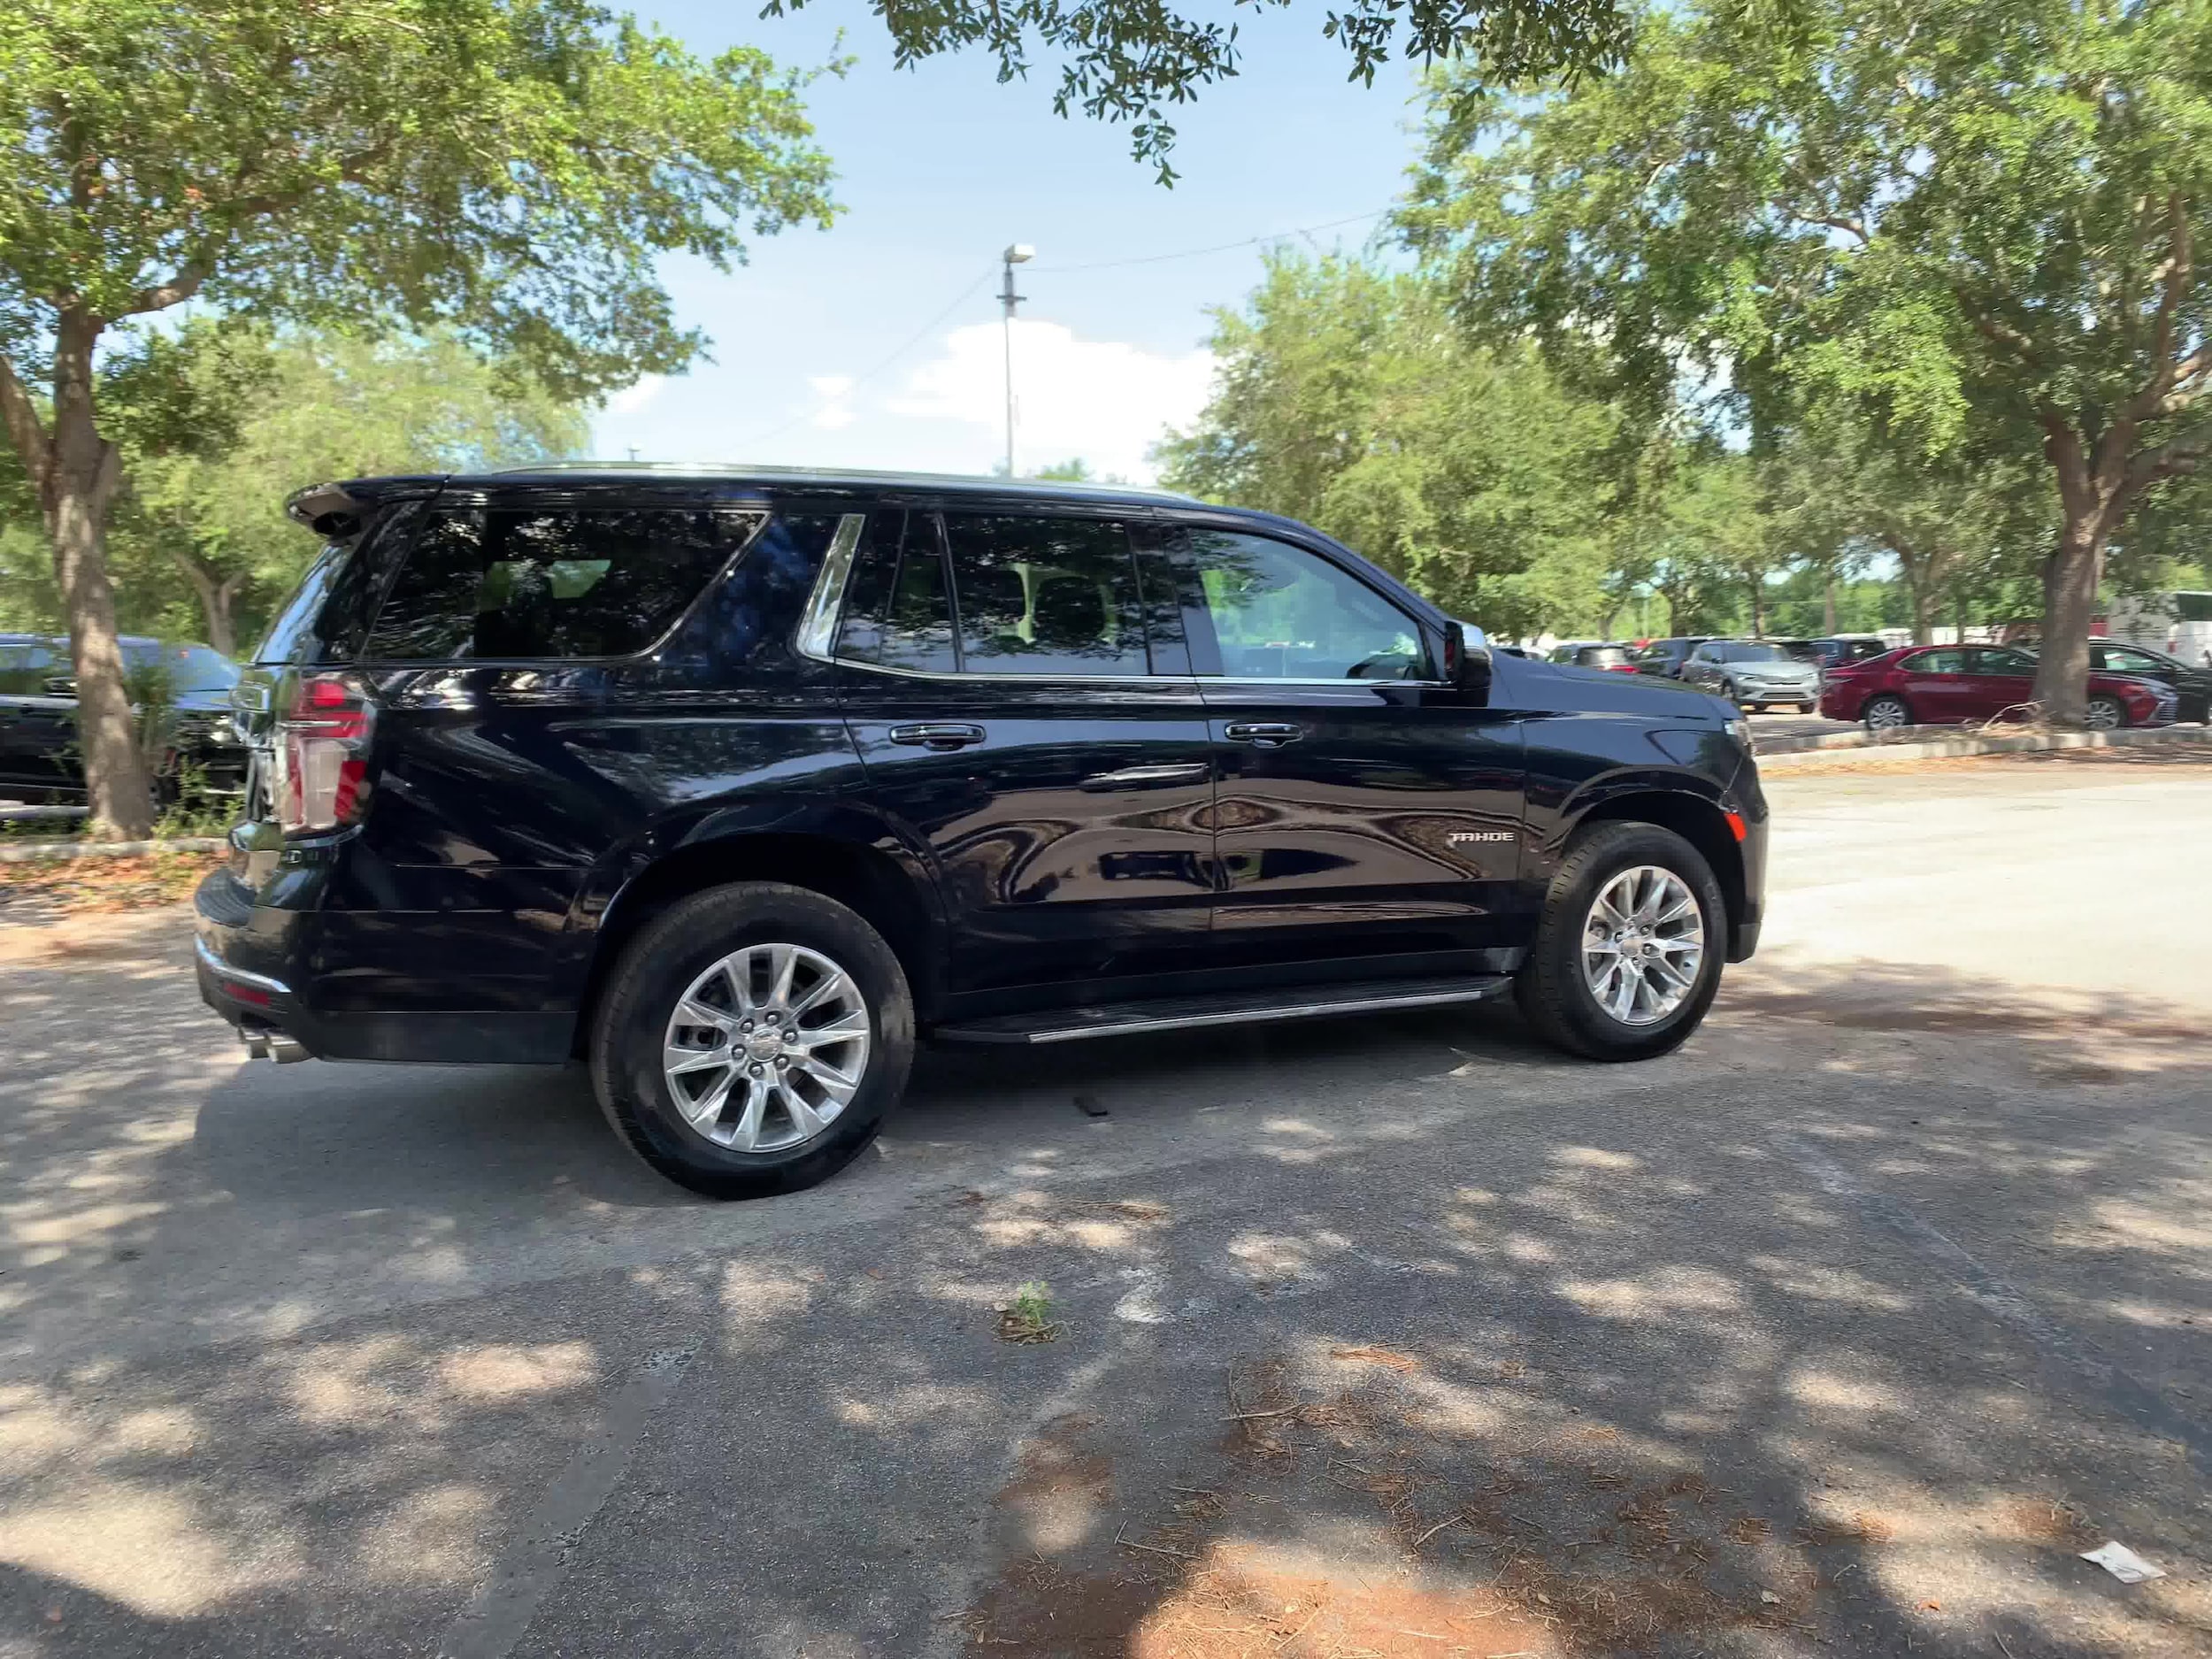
{"x":1555,"y":989}
{"x":1885,"y":713}
{"x":633,"y":1035}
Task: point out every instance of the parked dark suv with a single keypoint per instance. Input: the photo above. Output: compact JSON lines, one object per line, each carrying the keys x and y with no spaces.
{"x":39,"y":753}
{"x":734,"y":784}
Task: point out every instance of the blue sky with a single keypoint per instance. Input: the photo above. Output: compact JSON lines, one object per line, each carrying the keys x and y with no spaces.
{"x":939,"y":168}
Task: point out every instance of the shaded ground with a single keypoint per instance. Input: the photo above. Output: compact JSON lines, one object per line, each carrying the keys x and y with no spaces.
{"x":1841,"y":1332}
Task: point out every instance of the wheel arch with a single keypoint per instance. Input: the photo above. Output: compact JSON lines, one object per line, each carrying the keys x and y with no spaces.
{"x":1698,"y":819}
{"x":887,"y":886}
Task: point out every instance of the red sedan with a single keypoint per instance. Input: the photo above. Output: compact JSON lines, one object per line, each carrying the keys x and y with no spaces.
{"x":1949,"y":684}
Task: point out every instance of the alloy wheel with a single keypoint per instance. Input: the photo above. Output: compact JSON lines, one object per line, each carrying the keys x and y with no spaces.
{"x":2102,"y":714}
{"x":1643,"y":942}
{"x":1884,"y":714}
{"x":767,"y":1048}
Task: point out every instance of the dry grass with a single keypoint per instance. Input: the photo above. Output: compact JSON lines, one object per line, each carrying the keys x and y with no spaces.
{"x":46,"y":891}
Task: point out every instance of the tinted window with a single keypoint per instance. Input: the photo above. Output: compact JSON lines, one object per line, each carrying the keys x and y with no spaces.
{"x":917,"y":621}
{"x":288,"y":636}
{"x":2129,"y":662}
{"x":1989,"y":662}
{"x":1045,"y":596}
{"x":1602,"y":655}
{"x":1280,"y":613}
{"x":875,"y":563}
{"x":596,"y":582}
{"x":1936,"y":662}
{"x":199,"y":668}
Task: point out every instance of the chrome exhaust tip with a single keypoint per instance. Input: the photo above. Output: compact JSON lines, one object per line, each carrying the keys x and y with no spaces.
{"x":264,"y":1044}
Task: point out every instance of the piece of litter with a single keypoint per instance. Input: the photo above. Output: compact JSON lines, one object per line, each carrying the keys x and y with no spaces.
{"x":2122,"y":1563}
{"x":1770,"y":1598}
{"x":1087,"y":1104}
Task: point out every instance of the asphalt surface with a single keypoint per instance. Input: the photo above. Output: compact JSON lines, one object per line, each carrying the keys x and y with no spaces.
{"x":1842,"y":1331}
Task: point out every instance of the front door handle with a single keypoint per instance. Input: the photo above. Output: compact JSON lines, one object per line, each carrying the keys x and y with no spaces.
{"x":1265,"y":734}
{"x":1157,"y":776}
{"x":937,"y":735}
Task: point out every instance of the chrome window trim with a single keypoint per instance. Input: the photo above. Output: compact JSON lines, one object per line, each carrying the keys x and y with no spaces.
{"x":817,"y":629}
{"x":222,"y":970}
{"x":1125,"y":679}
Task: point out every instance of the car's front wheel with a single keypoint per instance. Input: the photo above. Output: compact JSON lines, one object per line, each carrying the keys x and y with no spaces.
{"x":752,"y":1039}
{"x":1629,"y":947}
{"x":2104,"y":713}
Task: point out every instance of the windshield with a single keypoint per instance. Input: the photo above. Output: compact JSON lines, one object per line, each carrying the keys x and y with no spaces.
{"x":1757,"y":654}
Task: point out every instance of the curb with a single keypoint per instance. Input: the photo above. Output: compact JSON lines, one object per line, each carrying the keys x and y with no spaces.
{"x":1855,"y":746}
{"x":48,"y":852}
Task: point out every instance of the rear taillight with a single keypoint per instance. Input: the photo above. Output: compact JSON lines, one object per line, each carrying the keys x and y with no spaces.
{"x":322,"y":753}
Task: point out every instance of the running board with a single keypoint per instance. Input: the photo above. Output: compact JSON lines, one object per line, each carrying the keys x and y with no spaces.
{"x":1189,"y":1013}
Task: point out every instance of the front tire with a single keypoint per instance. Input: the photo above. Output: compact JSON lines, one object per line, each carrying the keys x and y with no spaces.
{"x":1629,"y":947}
{"x":751,"y":1039}
{"x":2104,"y":713}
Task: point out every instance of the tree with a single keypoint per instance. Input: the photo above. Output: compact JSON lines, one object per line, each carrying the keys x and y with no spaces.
{"x":1978,"y":217}
{"x":508,"y":166}
{"x":1345,"y":398}
{"x":1129,"y":60}
{"x":218,"y":424}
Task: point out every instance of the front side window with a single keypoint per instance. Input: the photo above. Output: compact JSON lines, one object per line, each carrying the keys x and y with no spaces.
{"x":567,"y":582}
{"x":1045,"y":596}
{"x":1989,"y":662}
{"x":1279,"y":612}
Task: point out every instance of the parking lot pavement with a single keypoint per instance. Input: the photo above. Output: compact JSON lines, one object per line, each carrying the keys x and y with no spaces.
{"x":1842,"y":1330}
{"x":1767,"y":724}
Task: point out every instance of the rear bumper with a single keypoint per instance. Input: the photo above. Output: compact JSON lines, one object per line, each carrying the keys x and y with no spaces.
{"x":258,"y":965}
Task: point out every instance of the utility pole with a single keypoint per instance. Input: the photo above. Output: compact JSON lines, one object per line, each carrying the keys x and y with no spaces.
{"x":1016,"y":253}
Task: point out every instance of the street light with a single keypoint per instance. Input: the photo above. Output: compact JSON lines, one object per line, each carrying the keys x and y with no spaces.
{"x":1016,"y":253}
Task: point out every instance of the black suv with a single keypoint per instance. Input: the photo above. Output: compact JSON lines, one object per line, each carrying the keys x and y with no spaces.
{"x":734,"y":784}
{"x":39,"y":754}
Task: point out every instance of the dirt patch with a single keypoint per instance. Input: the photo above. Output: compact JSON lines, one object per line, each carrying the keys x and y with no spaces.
{"x":37,"y":894}
{"x":1425,"y":1553}
{"x":2050,"y":1521}
{"x":1830,"y":763}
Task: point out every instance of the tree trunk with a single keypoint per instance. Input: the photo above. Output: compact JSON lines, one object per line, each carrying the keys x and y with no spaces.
{"x":81,"y":472}
{"x":1828,"y":602}
{"x":1958,"y":612}
{"x":1758,"y":608}
{"x":2071,"y":575}
{"x":215,"y":601}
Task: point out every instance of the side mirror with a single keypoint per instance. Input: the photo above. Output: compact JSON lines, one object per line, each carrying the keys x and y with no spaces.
{"x":1467,"y":662}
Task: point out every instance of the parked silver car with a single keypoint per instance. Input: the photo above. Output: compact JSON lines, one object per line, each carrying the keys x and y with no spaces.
{"x":1754,"y":674}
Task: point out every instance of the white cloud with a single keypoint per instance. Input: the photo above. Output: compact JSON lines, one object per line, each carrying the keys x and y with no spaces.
{"x":832,"y":389}
{"x":1105,"y":401}
{"x":631,"y":399}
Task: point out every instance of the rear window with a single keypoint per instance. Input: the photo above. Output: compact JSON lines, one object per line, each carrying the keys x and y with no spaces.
{"x":1602,"y":656}
{"x":492,"y":583}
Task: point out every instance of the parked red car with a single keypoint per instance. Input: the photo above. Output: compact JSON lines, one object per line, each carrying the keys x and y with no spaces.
{"x":1949,"y":684}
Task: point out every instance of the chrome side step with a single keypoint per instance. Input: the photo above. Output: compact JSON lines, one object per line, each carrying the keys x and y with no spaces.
{"x":1134,"y":1020}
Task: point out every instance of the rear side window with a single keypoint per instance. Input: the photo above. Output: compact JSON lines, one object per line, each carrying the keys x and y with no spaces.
{"x":1604,"y":657}
{"x":567,"y":582}
{"x":1046,"y":596}
{"x":1937,"y":663}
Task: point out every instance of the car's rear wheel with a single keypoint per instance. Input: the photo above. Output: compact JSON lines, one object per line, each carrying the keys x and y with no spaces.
{"x":2104,"y":713}
{"x":752,"y":1039}
{"x":1629,"y":947}
{"x":1885,"y":714}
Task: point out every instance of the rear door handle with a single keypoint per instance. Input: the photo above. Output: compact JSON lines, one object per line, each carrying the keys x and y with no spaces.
{"x":939,"y":734}
{"x":1265,"y":734}
{"x":1158,"y":777}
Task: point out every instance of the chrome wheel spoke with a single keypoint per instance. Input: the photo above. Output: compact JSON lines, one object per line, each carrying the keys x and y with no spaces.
{"x":761,"y":1082}
{"x":1643,"y":945}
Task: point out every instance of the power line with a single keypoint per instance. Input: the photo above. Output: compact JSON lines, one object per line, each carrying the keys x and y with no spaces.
{"x":1193,"y":253}
{"x":915,"y":339}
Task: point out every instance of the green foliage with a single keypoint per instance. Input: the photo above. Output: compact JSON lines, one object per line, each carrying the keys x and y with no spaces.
{"x":219,"y":420}
{"x":1345,"y":398}
{"x":514,"y":166}
{"x":1129,"y":60}
{"x":1075,"y":470}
